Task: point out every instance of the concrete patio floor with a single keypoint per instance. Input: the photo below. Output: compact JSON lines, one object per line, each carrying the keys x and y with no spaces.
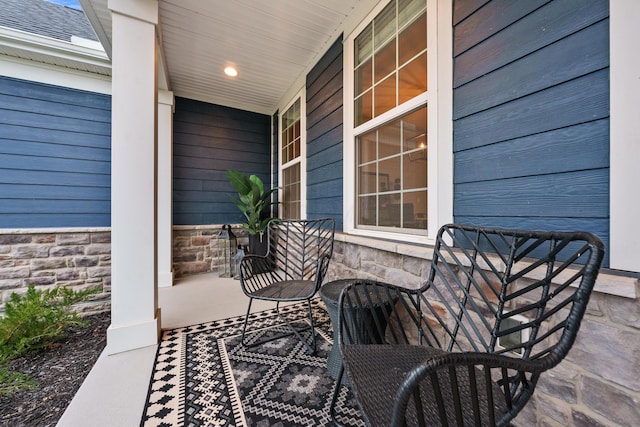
{"x":115,"y":391}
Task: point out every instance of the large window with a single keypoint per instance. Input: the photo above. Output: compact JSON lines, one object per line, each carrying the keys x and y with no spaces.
{"x":390,"y":135}
{"x":291,"y":160}
{"x":398,"y":168}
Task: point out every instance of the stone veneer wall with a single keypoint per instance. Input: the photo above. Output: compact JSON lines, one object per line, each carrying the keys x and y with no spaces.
{"x":195,"y":248}
{"x":598,"y":384}
{"x":79,"y":258}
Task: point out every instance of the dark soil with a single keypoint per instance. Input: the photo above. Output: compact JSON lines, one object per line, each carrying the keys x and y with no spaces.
{"x":59,"y":372}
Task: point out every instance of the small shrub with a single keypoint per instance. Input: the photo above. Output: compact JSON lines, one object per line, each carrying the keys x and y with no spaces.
{"x":11,"y":382}
{"x":32,"y":322}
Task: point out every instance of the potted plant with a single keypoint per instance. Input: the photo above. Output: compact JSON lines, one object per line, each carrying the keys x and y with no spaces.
{"x":254,"y":202}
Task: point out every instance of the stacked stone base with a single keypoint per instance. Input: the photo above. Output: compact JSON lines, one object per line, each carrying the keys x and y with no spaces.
{"x":71,"y":258}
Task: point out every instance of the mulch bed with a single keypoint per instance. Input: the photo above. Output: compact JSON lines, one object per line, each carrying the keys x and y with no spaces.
{"x":59,"y":372}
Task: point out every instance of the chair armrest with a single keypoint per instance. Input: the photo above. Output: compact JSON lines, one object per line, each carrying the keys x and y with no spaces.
{"x":501,"y":383}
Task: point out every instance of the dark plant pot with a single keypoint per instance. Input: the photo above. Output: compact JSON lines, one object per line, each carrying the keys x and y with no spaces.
{"x":258,"y":244}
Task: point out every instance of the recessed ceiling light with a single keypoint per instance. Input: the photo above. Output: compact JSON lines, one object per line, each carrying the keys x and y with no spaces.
{"x":231,"y":72}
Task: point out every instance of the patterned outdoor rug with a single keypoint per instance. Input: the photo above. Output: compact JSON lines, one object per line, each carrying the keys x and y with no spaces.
{"x":203,"y":376}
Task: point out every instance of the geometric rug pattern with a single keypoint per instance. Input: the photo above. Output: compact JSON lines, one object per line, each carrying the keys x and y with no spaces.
{"x":204,"y":376}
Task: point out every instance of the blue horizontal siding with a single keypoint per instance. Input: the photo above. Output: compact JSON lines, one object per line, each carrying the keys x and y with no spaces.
{"x":462,"y":9}
{"x":546,"y":25}
{"x":48,"y":220}
{"x":572,"y":194}
{"x":574,"y":56}
{"x":543,"y":153}
{"x":57,"y":95}
{"x":55,"y":156}
{"x":208,"y":140}
{"x":486,"y":21}
{"x":324,"y":136}
{"x":577,"y":101}
{"x":531,"y":115}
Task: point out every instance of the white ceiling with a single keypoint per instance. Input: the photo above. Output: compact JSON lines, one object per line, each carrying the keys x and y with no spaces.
{"x":272,"y":43}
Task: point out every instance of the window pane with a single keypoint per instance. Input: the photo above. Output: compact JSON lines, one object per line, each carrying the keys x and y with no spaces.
{"x":412,"y":40}
{"x":385,"y":95}
{"x":389,"y":139}
{"x":296,"y":148}
{"x":414,"y":213}
{"x":414,"y":129}
{"x":363,"y":45}
{"x":414,"y":169}
{"x":291,"y":192}
{"x":291,"y":133}
{"x":363,"y":108}
{"x":362,"y":78}
{"x":384,"y":25}
{"x":389,"y":213}
{"x":390,"y":170}
{"x":408,"y":9}
{"x":412,"y":79}
{"x":367,"y":210}
{"x":384,"y":61}
{"x":367,"y":179}
{"x":366,"y":144}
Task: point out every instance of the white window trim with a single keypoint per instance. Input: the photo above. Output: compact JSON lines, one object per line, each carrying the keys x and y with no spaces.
{"x":624,"y":203}
{"x":440,"y":124}
{"x":303,"y":150}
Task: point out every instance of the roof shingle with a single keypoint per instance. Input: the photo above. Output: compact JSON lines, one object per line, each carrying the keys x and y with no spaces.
{"x":46,"y":19}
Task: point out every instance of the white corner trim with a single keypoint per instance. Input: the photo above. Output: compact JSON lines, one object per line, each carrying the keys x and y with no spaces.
{"x":624,"y":244}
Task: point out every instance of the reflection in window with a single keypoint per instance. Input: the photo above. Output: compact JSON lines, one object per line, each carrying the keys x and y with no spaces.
{"x":390,"y":57}
{"x":291,"y":140}
{"x":291,"y":192}
{"x":291,"y":133}
{"x":392,"y":174}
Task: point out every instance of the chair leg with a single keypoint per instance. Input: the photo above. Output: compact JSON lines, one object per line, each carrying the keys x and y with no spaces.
{"x":246,"y":320}
{"x":334,"y":398}
{"x":313,"y":329}
{"x":311,"y":348}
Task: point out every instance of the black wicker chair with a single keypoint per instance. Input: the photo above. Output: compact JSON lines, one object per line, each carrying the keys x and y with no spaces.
{"x":292,"y":270}
{"x":499,"y":308}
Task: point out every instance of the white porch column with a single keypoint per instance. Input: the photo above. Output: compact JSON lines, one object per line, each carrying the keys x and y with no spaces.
{"x":165,"y":177}
{"x":135,"y":319}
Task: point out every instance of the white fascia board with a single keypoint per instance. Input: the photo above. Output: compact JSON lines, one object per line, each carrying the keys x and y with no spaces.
{"x":40,"y":72}
{"x":51,"y":47}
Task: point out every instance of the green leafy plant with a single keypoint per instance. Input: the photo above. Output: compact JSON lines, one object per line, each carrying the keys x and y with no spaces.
{"x":31,"y":323}
{"x":11,"y":382}
{"x":253,"y":200}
